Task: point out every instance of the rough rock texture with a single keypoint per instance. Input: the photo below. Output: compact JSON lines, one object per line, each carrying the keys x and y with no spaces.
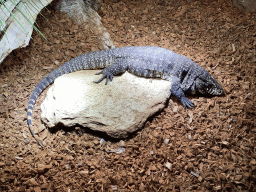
{"x":245,"y":5}
{"x":84,"y":12}
{"x":119,"y":108}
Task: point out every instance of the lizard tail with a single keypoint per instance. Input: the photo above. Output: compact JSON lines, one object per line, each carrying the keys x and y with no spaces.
{"x":33,"y":97}
{"x":68,"y":67}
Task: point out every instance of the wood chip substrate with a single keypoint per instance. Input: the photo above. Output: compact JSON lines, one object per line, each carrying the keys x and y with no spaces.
{"x":209,"y":148}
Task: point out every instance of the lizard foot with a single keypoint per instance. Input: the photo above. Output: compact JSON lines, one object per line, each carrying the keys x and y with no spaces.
{"x":106,"y":75}
{"x":187,"y":103}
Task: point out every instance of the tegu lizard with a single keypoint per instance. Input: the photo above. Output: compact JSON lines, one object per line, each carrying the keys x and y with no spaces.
{"x":186,"y":76}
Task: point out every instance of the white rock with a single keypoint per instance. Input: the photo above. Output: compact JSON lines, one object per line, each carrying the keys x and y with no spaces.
{"x":119,"y":108}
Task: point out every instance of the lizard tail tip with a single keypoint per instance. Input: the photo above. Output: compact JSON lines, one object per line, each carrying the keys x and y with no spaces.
{"x":34,"y":136}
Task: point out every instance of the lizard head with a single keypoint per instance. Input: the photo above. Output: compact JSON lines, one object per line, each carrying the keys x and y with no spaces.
{"x":206,"y":85}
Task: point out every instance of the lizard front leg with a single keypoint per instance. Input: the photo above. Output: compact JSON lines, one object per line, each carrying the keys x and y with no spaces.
{"x":179,"y":94}
{"x":177,"y":91}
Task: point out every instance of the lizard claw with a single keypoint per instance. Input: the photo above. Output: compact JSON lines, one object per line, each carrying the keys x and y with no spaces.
{"x":187,"y":103}
{"x":99,"y":73}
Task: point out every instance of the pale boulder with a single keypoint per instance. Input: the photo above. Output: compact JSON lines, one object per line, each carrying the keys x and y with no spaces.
{"x":118,"y":109}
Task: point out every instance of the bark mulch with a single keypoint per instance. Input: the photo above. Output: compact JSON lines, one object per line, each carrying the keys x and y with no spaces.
{"x":209,"y":148}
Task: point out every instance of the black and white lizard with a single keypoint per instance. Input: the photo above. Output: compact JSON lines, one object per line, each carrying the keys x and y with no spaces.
{"x":153,"y":62}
